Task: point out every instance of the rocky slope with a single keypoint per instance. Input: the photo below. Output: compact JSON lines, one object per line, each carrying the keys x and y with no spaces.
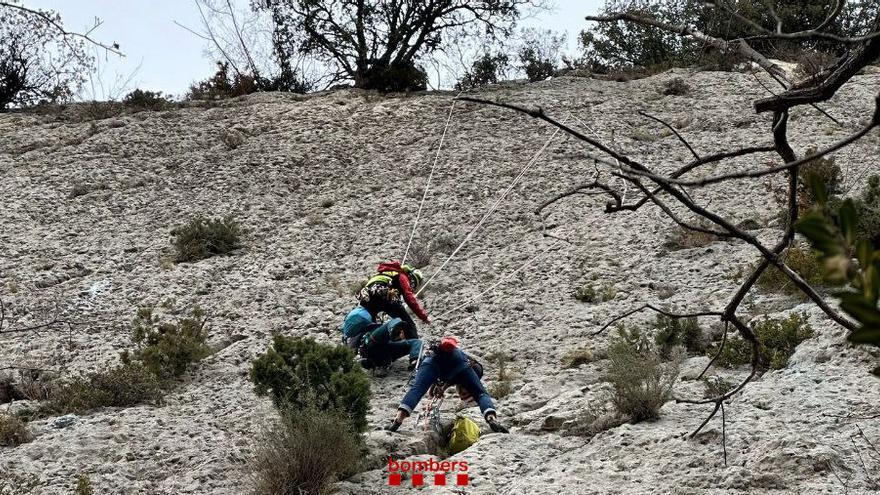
{"x":329,"y":184}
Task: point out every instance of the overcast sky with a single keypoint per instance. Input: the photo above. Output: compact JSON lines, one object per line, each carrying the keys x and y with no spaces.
{"x":162,"y":56}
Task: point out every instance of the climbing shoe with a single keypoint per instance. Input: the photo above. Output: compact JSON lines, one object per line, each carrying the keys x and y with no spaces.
{"x":392,"y":426}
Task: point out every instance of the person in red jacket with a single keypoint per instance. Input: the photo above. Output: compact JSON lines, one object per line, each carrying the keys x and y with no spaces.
{"x":383,"y":292}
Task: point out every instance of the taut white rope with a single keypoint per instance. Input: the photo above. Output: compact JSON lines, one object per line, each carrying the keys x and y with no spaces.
{"x":522,"y":172}
{"x":502,"y":280}
{"x":428,"y":184}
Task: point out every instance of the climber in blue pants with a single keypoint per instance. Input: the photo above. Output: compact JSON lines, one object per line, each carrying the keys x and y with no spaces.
{"x":447,"y":364}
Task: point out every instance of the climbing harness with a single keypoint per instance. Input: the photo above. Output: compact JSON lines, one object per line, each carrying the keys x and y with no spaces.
{"x":431,"y":413}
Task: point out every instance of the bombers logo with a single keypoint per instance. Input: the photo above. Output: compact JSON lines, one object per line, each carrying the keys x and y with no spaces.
{"x":418,"y":469}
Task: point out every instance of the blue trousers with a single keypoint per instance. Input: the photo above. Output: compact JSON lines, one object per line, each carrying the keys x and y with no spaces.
{"x":453,"y":369}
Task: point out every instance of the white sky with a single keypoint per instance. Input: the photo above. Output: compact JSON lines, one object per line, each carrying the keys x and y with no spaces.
{"x":161,"y":56}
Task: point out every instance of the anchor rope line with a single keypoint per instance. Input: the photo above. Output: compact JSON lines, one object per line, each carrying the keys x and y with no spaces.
{"x":430,"y":176}
{"x":503,"y":279}
{"x":486,"y":216}
{"x":425,"y":339}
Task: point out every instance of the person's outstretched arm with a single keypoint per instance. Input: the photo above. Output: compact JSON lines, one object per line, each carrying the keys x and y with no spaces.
{"x":410,"y":297}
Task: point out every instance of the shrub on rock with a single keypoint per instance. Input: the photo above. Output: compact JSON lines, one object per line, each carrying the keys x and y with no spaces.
{"x":168,"y":349}
{"x":641,"y":382}
{"x":202,"y":238}
{"x":13,"y":431}
{"x":778,"y":337}
{"x":804,"y":261}
{"x":123,"y":386}
{"x":304,"y":451}
{"x":672,"y":332}
{"x":300,"y":373}
{"x":146,"y":100}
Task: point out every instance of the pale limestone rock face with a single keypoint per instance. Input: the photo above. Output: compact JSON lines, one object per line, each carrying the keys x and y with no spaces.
{"x":328,"y":185}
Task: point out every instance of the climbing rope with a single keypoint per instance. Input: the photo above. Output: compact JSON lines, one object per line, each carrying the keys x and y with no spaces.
{"x":503,"y":279}
{"x":431,"y":413}
{"x":430,"y":176}
{"x":522,"y":173}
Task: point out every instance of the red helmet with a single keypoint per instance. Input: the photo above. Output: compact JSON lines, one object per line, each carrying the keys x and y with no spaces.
{"x":448,"y":344}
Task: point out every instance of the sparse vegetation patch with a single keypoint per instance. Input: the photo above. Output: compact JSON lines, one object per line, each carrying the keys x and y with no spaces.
{"x":779,"y":339}
{"x":641,"y":382}
{"x":202,"y":238}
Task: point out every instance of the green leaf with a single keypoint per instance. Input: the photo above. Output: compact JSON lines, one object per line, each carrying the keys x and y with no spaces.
{"x":820,"y":193}
{"x":864,"y":253}
{"x":866,"y":335}
{"x":861,"y":309}
{"x":818,"y":230}
{"x":848,"y":221}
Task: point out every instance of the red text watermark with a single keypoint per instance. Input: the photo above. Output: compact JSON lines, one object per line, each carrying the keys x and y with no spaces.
{"x":440,"y":473}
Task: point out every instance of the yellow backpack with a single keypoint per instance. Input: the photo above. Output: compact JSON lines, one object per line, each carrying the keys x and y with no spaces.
{"x":464,"y":434}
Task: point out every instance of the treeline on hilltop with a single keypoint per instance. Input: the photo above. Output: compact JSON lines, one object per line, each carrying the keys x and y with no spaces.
{"x":301,"y":46}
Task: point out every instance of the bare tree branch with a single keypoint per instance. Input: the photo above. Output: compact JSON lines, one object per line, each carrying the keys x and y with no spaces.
{"x":741,"y":46}
{"x":53,"y":22}
{"x":674,"y":131}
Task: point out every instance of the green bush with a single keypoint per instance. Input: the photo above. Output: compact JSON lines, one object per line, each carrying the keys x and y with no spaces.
{"x":716,"y":386}
{"x":675,"y":87}
{"x":405,"y":76}
{"x":202,"y":238}
{"x":488,"y":69}
{"x":304,"y":452}
{"x":83,"y":485}
{"x":822,"y":169}
{"x":804,"y":261}
{"x":641,"y":382}
{"x":539,"y":54}
{"x":536,"y":67}
{"x":778,"y":338}
{"x":221,"y":85}
{"x":298,"y":373}
{"x":587,"y":293}
{"x":146,"y":100}
{"x":167,"y":349}
{"x":13,"y":431}
{"x":13,"y":483}
{"x":673,"y":332}
{"x":825,"y":170}
{"x":500,"y":389}
{"x":836,"y":233}
{"x":125,"y":385}
{"x":867,"y":208}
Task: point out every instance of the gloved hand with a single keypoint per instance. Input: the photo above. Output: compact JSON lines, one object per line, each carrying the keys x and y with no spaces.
{"x":498,"y":427}
{"x":392,"y":426}
{"x":495,"y":425}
